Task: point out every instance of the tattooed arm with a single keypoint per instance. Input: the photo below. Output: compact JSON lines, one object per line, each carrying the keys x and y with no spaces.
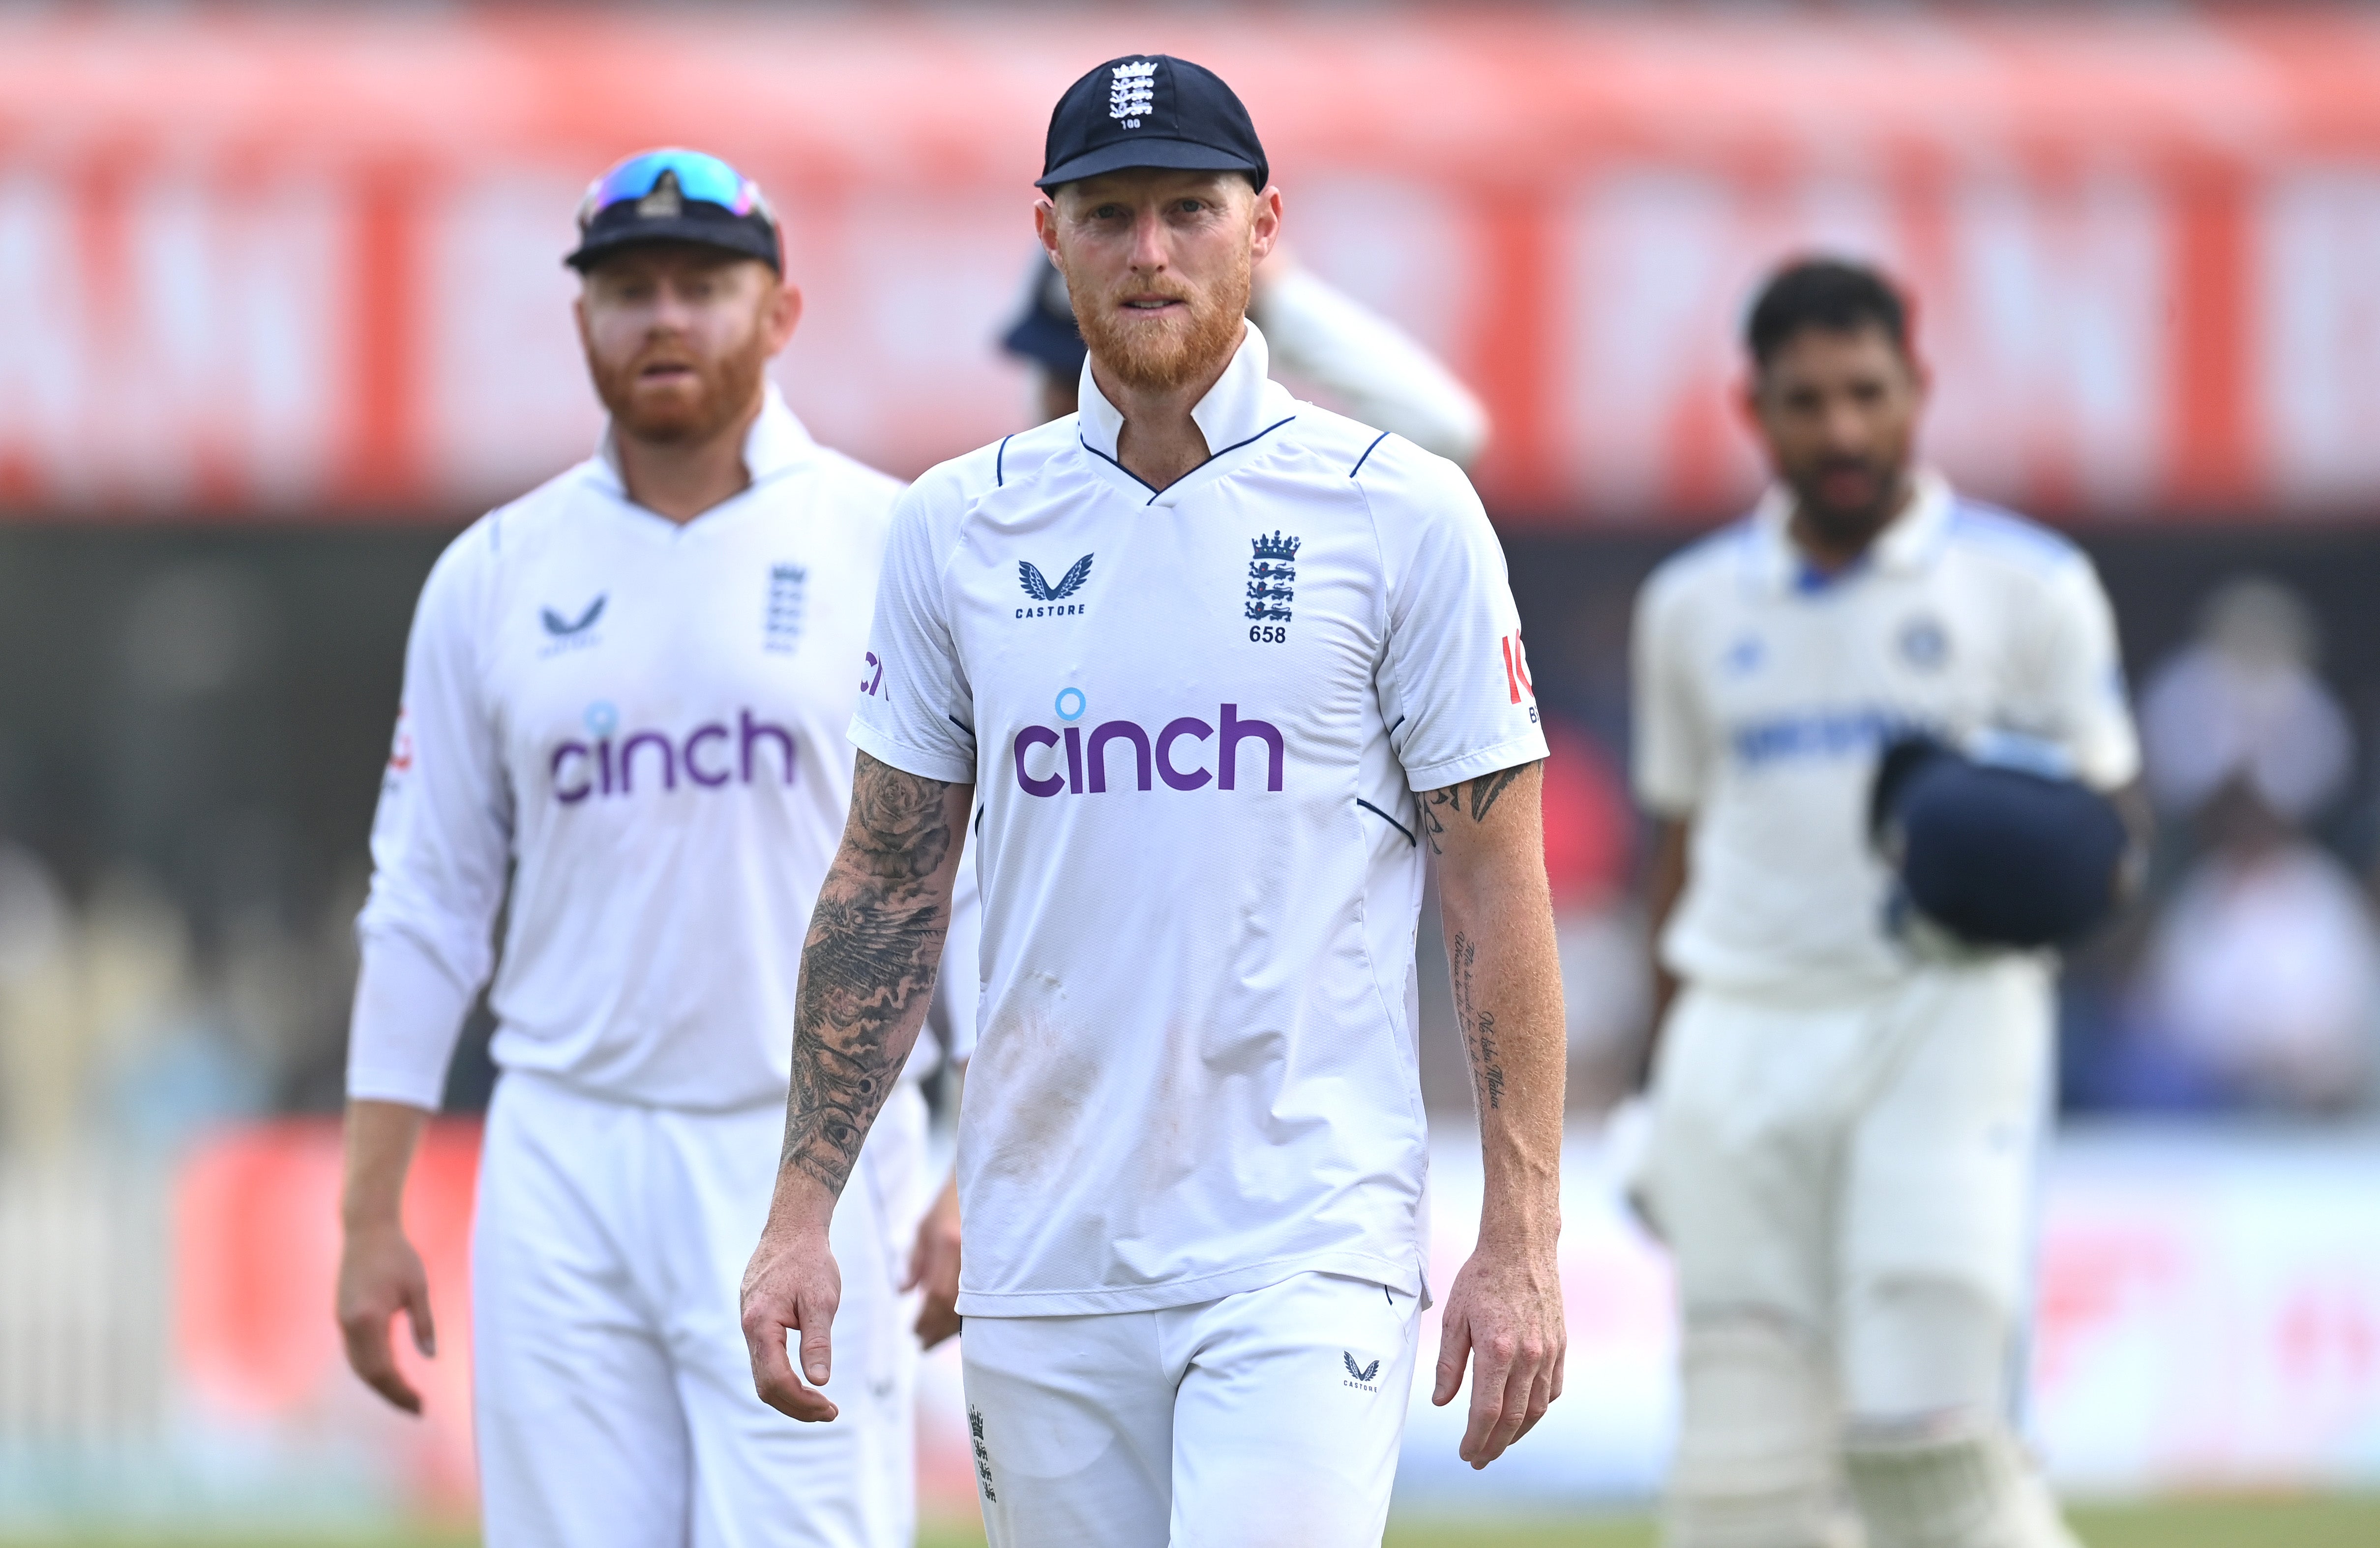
{"x":867,"y":979}
{"x":1505,"y":1307}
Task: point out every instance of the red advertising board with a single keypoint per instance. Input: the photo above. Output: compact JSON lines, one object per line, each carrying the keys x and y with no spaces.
{"x":288,"y":266}
{"x":2208,"y":1318}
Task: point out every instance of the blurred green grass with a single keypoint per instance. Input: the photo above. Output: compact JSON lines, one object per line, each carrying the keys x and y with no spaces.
{"x":2348,"y":1522}
{"x":2224,"y":1523}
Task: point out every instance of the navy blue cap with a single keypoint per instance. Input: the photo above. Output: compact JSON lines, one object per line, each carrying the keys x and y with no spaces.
{"x":1150,"y":110}
{"x":1045,"y":333}
{"x":1998,"y":855}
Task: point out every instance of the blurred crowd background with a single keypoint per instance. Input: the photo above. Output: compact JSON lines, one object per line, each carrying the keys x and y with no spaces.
{"x":285,"y":310}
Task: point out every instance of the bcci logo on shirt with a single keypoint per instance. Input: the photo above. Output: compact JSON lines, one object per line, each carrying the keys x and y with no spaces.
{"x":1272,"y":574}
{"x":1133,"y":92}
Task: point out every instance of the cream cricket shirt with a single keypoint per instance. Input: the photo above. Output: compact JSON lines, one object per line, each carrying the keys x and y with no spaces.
{"x":1194,"y":721}
{"x":646,"y":721}
{"x":1764,"y":691}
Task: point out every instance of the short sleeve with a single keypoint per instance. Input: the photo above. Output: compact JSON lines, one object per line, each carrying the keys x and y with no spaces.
{"x":2075,"y":693}
{"x":1455,"y":683}
{"x":916,"y":712}
{"x":1671,"y":752}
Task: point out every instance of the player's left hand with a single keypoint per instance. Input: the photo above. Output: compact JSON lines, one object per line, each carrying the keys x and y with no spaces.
{"x":934,"y":1267}
{"x":1503,"y":1315}
{"x":792,"y":1284}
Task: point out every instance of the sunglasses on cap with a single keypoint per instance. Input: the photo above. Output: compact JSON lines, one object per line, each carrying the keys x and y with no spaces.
{"x":695,"y":175}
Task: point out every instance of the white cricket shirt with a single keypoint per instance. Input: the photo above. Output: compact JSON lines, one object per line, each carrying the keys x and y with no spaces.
{"x":646,"y":721}
{"x":1194,"y":721}
{"x":1764,"y":691}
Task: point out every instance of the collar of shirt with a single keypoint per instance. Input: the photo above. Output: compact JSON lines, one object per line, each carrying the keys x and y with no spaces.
{"x":1244,"y":403}
{"x":1907,"y":545}
{"x":778,"y":440}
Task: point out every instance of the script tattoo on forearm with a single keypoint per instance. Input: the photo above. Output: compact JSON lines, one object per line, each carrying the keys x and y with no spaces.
{"x":1437,"y":805}
{"x":1478,"y":1023}
{"x":867,"y":963}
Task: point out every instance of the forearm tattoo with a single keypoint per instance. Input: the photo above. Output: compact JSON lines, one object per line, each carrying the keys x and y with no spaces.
{"x":867,"y":966}
{"x":1477,"y":1022}
{"x":1438,"y":805}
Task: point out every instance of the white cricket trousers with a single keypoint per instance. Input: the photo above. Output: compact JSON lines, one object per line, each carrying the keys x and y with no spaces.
{"x":1265,"y":1419}
{"x":612,"y":1388}
{"x":1847,"y":1188}
{"x":1804,"y":1155}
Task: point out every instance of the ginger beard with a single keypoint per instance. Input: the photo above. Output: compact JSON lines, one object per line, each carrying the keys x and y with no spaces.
{"x":1161,"y":349}
{"x":668,"y":393}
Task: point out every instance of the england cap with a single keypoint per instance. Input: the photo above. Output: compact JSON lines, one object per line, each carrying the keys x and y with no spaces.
{"x":1150,"y":110}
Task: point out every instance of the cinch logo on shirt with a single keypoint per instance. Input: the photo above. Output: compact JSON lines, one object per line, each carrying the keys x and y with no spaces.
{"x":712,"y":755}
{"x":1084,"y":760}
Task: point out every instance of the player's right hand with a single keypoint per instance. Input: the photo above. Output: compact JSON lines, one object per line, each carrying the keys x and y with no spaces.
{"x":380,"y":1274}
{"x":934,"y":1269}
{"x":792,"y":1284}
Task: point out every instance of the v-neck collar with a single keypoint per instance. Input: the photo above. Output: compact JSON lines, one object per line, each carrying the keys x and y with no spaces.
{"x":1244,"y":405}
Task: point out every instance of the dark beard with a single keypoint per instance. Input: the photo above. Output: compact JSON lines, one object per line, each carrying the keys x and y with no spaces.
{"x":728,"y":387}
{"x":1155,"y":364}
{"x":1849,"y":528}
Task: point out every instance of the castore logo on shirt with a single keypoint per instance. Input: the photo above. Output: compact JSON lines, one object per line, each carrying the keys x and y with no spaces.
{"x":1085,"y":763}
{"x":570,"y":634}
{"x":1037,"y":587}
{"x":605,"y":767}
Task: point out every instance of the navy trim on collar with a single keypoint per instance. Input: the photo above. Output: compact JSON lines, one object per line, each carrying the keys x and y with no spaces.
{"x":1153,"y":491}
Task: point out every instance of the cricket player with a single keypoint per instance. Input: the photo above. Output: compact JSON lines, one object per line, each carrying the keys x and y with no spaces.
{"x":1205,"y":667}
{"x":1845,"y":1121}
{"x":1385,"y":376}
{"x":631,"y":688}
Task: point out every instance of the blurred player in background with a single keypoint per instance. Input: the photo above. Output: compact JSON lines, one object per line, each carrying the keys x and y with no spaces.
{"x":1216,"y":664}
{"x":1317,"y":334}
{"x":631,"y":687}
{"x":1844,"y":1126}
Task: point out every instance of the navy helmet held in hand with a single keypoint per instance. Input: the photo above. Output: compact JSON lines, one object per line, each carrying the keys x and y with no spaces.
{"x":1996,"y":854}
